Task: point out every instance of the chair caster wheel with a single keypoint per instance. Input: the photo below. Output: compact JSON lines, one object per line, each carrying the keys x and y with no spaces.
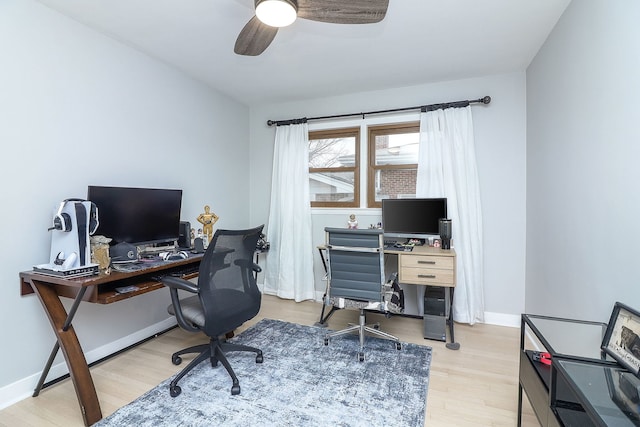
{"x":175,"y":390}
{"x":235,"y":390}
{"x":361,"y":357}
{"x":398,"y":346}
{"x":176,"y":360}
{"x":259,"y":358}
{"x":326,"y":341}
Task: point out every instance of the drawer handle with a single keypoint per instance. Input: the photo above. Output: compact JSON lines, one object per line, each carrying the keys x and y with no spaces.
{"x":426,"y":262}
{"x":427,"y":276}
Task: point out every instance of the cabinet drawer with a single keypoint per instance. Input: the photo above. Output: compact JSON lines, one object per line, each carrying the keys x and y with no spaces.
{"x":426,"y":276}
{"x":426,"y":261}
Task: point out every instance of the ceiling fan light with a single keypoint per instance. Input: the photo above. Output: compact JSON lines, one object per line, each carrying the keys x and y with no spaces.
{"x":276,"y":13}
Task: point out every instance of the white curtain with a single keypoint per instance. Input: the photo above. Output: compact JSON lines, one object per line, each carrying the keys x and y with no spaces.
{"x":289,"y":265}
{"x":447,"y":168}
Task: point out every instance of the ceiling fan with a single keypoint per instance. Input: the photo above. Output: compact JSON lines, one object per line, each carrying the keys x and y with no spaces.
{"x":270,"y":15}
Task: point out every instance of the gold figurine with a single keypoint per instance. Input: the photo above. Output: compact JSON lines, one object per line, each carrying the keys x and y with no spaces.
{"x":207,"y":219}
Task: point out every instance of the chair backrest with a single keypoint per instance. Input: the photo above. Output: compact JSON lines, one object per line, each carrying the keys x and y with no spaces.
{"x":228,"y":291}
{"x":355,"y":263}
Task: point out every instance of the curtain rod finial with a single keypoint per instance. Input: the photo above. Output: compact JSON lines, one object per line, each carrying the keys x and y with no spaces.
{"x":270,"y":123}
{"x":486,"y":100}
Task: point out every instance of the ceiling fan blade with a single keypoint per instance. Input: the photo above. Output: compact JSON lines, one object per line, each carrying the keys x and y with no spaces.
{"x":254,"y":38}
{"x":342,"y":11}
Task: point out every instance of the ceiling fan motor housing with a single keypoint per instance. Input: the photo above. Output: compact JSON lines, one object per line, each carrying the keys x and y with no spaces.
{"x":293,"y":3}
{"x":277,"y":13}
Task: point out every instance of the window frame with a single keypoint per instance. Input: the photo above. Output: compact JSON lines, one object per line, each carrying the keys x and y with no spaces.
{"x":350,"y":132}
{"x":372,"y":168}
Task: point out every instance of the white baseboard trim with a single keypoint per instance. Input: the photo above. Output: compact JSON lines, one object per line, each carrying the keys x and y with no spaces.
{"x":317,"y":298}
{"x":23,"y":388}
{"x":502,"y":319}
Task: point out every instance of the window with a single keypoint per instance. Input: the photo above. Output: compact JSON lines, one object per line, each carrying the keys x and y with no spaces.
{"x":393,"y":162}
{"x":334,"y":168}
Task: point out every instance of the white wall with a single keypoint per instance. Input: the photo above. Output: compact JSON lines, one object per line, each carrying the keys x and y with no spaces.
{"x":77,"y":108}
{"x":500,"y":146}
{"x":583,"y":146}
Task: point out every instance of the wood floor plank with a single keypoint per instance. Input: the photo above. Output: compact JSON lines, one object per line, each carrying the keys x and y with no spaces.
{"x":474,"y":386}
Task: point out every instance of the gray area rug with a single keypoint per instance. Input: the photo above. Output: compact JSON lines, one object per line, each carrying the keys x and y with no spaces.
{"x":302,"y":382}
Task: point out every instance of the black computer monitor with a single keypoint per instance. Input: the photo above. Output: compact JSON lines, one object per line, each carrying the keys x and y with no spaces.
{"x":417,"y":218}
{"x":137,"y":215}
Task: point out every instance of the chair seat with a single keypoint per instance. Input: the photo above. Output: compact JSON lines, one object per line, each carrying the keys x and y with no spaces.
{"x":191,"y":310}
{"x":232,"y":306}
{"x":389,"y":305}
{"x":355,"y":304}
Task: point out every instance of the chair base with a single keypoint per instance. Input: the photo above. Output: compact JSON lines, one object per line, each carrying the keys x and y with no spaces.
{"x":215,"y":351}
{"x":362,"y":328}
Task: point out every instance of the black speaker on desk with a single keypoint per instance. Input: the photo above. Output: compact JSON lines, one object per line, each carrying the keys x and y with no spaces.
{"x":445,"y":233}
{"x":198,"y":245}
{"x":184,"y":236}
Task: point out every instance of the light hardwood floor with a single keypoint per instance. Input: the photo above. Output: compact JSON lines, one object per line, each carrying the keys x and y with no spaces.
{"x":474,"y":386}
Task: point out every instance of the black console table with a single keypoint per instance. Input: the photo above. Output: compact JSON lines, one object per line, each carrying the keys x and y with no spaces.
{"x":580,"y":387}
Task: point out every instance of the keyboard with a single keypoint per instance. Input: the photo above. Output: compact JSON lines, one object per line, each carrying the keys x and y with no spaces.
{"x":185,"y":270}
{"x":395,"y":246}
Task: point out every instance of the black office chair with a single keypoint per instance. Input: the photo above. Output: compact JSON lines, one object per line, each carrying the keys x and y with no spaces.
{"x":226,"y":297}
{"x":356,"y":279}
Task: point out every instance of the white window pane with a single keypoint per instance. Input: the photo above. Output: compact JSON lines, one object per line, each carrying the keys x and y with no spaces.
{"x":332,"y":153}
{"x":397,"y":149}
{"x":331,"y":187}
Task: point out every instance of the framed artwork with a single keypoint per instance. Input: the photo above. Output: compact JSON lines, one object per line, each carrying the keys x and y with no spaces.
{"x":622,"y":339}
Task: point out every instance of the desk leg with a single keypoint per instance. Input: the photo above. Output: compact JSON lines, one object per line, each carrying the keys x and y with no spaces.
{"x":323,"y":320}
{"x":67,"y":340}
{"x":519,"y":424}
{"x":46,"y":369}
{"x":453,"y":345}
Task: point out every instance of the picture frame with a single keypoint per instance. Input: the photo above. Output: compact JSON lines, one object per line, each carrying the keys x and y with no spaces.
{"x":622,"y":338}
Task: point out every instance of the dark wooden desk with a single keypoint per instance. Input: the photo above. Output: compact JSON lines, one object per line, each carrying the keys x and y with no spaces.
{"x":99,"y":289}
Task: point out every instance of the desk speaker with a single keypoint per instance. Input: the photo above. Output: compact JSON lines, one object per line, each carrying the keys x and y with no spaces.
{"x":198,"y":246}
{"x":184,"y":236}
{"x":445,"y":233}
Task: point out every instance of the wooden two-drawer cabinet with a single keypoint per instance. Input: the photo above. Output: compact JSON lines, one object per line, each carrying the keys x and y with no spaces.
{"x":427,"y":266}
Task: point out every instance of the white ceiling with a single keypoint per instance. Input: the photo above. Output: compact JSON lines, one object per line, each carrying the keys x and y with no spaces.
{"x":419,"y":41}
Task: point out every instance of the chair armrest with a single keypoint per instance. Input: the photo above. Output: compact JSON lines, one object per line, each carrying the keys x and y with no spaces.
{"x":353,"y":248}
{"x":244,"y":263}
{"x":179,"y":283}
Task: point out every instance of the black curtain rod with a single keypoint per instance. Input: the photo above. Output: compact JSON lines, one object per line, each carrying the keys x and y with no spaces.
{"x":422,"y":108}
